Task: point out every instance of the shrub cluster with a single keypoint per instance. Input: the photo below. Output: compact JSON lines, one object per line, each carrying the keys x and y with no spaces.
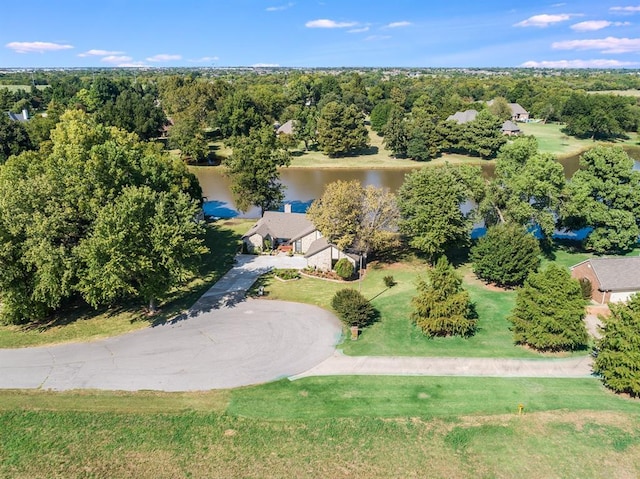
{"x":353,"y":308}
{"x":344,"y":268}
{"x":286,"y":273}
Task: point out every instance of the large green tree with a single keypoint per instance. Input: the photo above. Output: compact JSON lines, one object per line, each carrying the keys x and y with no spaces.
{"x":527,"y":188}
{"x":395,"y":133}
{"x":253,"y":170}
{"x":549,"y":312}
{"x":442,"y":307}
{"x":618,"y":360}
{"x":605,"y":195}
{"x":14,"y":138}
{"x":506,"y":255}
{"x":341,"y":129}
{"x":429,"y":202}
{"x":50,"y":202}
{"x":141,"y":245}
{"x":363,"y":219}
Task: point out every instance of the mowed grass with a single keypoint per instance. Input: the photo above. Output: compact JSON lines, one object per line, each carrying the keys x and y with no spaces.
{"x":14,"y":88}
{"x":395,"y":334}
{"x":79,"y":322}
{"x":366,"y":427}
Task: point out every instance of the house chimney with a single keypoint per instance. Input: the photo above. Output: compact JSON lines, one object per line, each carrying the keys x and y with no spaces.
{"x":25,"y":114}
{"x":287,"y":207}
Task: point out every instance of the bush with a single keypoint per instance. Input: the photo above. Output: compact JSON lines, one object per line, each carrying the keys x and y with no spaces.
{"x":389,"y":282}
{"x":585,"y":286}
{"x":287,"y":274}
{"x":506,"y":255}
{"x":344,"y":268}
{"x":353,"y":308}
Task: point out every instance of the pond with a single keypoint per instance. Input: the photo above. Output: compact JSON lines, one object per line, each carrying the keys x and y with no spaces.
{"x":303,"y":185}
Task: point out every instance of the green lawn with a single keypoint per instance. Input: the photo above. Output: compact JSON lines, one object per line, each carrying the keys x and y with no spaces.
{"x":81,"y":323}
{"x":365,"y":427}
{"x":14,"y":88}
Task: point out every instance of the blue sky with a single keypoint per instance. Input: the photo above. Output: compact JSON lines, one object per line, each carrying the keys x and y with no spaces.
{"x":327,"y":33}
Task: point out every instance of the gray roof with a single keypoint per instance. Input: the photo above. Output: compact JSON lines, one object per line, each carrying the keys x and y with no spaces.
{"x":617,"y":274}
{"x":282,"y":225}
{"x":287,"y":128}
{"x":510,"y":126}
{"x":24,"y":116}
{"x":321,"y":244}
{"x":463,"y":116}
{"x":516,"y":109}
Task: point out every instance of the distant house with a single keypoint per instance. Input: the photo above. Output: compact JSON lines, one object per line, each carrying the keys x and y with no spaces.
{"x":296,"y":232}
{"x":285,"y":129}
{"x":21,"y":117}
{"x":461,"y":117}
{"x":613,"y":280}
{"x":510,"y":128}
{"x":518,"y":113}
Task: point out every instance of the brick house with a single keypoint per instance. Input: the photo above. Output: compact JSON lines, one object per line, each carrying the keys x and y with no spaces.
{"x":612,"y":279}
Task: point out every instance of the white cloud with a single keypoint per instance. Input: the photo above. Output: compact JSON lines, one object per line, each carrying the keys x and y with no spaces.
{"x":556,"y":5}
{"x":280,"y":8}
{"x":604,"y":45}
{"x":132,"y":65}
{"x":99,"y":53}
{"x":372,"y":38}
{"x":204,"y":60}
{"x":398,"y":24}
{"x":164,"y":57}
{"x":593,"y":25}
{"x":325,"y":23}
{"x":358,"y":30}
{"x":36,"y":47}
{"x":116,"y":59}
{"x":544,"y":20}
{"x":265,"y":65}
{"x":629,"y":9}
{"x":601,"y":63}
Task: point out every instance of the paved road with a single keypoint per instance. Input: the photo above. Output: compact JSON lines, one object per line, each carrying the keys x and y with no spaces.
{"x":339,"y":364}
{"x":253,"y":342}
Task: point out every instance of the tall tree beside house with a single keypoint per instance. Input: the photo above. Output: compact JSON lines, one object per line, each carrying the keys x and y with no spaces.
{"x":253,"y":170}
{"x":429,"y":202}
{"x":481,"y":137}
{"x":352,"y":217}
{"x":618,"y":360}
{"x":605,"y":195}
{"x":549,"y":312}
{"x":442,"y":307}
{"x":341,"y":129}
{"x":500,"y":108}
{"x":14,"y":138}
{"x":52,"y":199}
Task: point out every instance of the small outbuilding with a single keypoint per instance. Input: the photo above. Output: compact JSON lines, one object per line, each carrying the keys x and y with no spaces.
{"x":613,"y":280}
{"x":510,"y":128}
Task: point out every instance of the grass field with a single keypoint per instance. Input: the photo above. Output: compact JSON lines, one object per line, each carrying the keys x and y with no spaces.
{"x":365,"y":427}
{"x":634,"y":93}
{"x":81,"y":322}
{"x":14,"y":88}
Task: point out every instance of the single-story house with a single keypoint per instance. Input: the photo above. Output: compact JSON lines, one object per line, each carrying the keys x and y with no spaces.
{"x":510,"y":128}
{"x":518,"y":113}
{"x":461,"y":117}
{"x":295,"y":230}
{"x":613,"y":280}
{"x":24,"y":116}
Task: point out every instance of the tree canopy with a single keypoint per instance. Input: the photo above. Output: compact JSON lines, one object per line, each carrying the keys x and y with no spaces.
{"x":341,"y":129}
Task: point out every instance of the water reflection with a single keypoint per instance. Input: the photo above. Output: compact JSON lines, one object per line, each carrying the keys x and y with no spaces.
{"x":303,"y":185}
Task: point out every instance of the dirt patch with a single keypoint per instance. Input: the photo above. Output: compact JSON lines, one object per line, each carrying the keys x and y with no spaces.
{"x":597,"y":309}
{"x":471,"y":278}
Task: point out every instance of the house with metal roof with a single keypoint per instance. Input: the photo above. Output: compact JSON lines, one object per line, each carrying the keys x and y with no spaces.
{"x":612,"y":280}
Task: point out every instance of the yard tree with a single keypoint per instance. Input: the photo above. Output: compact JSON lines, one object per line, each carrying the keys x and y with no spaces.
{"x":429,"y":201}
{"x":14,"y":138}
{"x":424,"y":137}
{"x":51,"y":199}
{"x":442,"y":307}
{"x":618,"y":360}
{"x":500,"y":108}
{"x":356,"y":218}
{"x":605,"y":195}
{"x":141,"y":245}
{"x":483,"y":136}
{"x":341,"y":129}
{"x":380,"y":115}
{"x":506,"y":255}
{"x":527,"y":188}
{"x":253,"y":170}
{"x":305,"y":121}
{"x":549,"y":312}
{"x":395,"y":133}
